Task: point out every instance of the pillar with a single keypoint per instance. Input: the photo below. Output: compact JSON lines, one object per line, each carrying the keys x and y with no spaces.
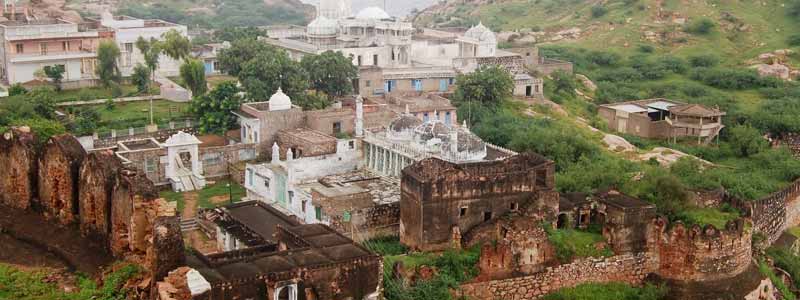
{"x":359,"y":117}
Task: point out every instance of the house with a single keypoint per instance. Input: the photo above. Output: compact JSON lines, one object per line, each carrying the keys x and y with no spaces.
{"x":663,"y":119}
{"x":128,"y":30}
{"x":29,"y":46}
{"x":208,"y":55}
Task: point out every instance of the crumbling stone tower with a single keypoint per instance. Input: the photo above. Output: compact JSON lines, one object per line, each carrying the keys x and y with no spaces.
{"x":59,"y":165}
{"x":18,"y":161}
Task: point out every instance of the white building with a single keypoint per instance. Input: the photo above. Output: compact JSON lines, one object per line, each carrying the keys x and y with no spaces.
{"x":128,"y":30}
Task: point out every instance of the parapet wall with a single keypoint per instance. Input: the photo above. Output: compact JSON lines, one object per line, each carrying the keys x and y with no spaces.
{"x":628,"y":268}
{"x":773,"y":214}
{"x":697,"y":254}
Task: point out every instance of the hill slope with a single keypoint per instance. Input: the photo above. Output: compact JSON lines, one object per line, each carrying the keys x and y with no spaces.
{"x":743,"y":30}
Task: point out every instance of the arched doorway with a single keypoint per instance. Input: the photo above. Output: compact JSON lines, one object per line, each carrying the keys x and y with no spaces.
{"x":563,"y":221}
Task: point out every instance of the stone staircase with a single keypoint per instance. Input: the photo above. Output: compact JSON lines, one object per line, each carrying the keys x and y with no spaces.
{"x":189,"y":225}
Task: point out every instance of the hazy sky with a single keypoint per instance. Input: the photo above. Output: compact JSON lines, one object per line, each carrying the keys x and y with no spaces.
{"x":399,"y":8}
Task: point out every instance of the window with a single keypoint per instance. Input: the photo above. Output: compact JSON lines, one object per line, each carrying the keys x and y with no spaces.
{"x":337,"y":127}
{"x":318,"y":212}
{"x":527,"y":54}
{"x":541,"y":178}
{"x":346,"y":216}
{"x":128,"y":47}
{"x":425,"y":117}
{"x":487,"y":216}
{"x":417,"y":84}
{"x":452,"y":81}
{"x":216,"y":65}
{"x":303,"y":206}
{"x":20,"y":48}
{"x":359,"y":60}
{"x":351,"y":145}
{"x":43,"y":48}
{"x":250,"y":176}
{"x":375,"y":60}
{"x":291,"y":196}
{"x":462,"y":211}
{"x":266,"y":183}
{"x":150,"y":165}
{"x":65,"y":46}
{"x":514,"y":206}
{"x":368,"y":83}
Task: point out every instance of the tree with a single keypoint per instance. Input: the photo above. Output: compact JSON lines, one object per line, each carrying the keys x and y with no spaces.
{"x":56,"y":74}
{"x":193,"y":73}
{"x":263,"y":75}
{"x":141,"y":78}
{"x":85,"y":122}
{"x":232,"y":59}
{"x":107,"y":69}
{"x":43,"y":100}
{"x":599,"y":11}
{"x":176,"y":45}
{"x":779,"y":116}
{"x":564,"y":83}
{"x":17,"y":89}
{"x":151,"y":50}
{"x":213,"y":110}
{"x":230,"y":34}
{"x":746,"y":140}
{"x":794,"y":10}
{"x":487,"y":85}
{"x":330,"y":72}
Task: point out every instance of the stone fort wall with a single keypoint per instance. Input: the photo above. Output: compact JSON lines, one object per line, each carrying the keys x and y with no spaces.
{"x":773,"y":214}
{"x":628,"y":268}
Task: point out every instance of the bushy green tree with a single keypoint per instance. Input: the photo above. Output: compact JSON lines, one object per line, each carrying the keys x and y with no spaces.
{"x":488,"y":85}
{"x":701,"y":26}
{"x":17,"y":89}
{"x":85,"y":122}
{"x":230,"y":34}
{"x":330,"y":72}
{"x":564,"y":83}
{"x":56,"y":74}
{"x":233,"y":59}
{"x":176,"y":45}
{"x":747,"y":140}
{"x":107,"y":69}
{"x":599,"y":11}
{"x":779,"y":116}
{"x":213,"y":110}
{"x":263,"y":75}
{"x":141,"y":77}
{"x":193,"y":74}
{"x":704,"y":60}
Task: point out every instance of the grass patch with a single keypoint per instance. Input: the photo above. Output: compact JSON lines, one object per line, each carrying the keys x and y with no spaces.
{"x":97,"y":93}
{"x":795,"y":231}
{"x":703,"y":216}
{"x":786,"y":260}
{"x":171,"y":196}
{"x":218,"y":190}
{"x":609,"y":291}
{"x":570,"y":244}
{"x":137,"y":114}
{"x":453,"y":267}
{"x":22,"y":285}
{"x":386,"y":245}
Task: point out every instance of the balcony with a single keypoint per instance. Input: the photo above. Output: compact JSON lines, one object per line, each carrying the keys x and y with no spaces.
{"x":50,"y":56}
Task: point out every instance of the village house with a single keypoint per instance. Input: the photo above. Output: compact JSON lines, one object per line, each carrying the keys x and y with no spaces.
{"x":663,"y":119}
{"x":30,"y":45}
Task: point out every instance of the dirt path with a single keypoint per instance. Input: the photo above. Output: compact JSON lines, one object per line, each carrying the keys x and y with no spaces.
{"x":189,"y":205}
{"x":30,"y":239}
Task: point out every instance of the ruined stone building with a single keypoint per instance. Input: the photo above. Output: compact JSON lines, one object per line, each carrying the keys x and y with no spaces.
{"x":286,"y":260}
{"x":441,"y":200}
{"x":111,"y":203}
{"x":663,"y":119}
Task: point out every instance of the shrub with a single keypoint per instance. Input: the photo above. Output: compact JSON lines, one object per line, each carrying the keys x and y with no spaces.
{"x":701,"y":26}
{"x":746,"y":140}
{"x":674,"y":64}
{"x":609,"y":291}
{"x":624,"y":74}
{"x":736,"y":79}
{"x":703,"y":60}
{"x":599,"y":11}
{"x":602,"y":58}
{"x":646,"y":48}
{"x":17,"y":89}
{"x":794,"y":40}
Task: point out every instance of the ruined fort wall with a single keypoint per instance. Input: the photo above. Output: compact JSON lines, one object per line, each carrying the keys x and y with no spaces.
{"x":17,"y":176}
{"x":701,"y":254}
{"x":58,"y":181}
{"x":773,"y":214}
{"x":376,"y":221}
{"x":629,"y":268}
{"x":97,"y":179}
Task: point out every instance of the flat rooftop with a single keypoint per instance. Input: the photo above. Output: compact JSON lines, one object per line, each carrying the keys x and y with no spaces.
{"x":374,"y":188}
{"x":245,"y":219}
{"x":321,"y":246}
{"x":308,"y":135}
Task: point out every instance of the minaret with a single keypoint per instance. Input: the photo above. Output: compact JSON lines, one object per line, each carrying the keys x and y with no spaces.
{"x":359,"y":117}
{"x":276,"y":154}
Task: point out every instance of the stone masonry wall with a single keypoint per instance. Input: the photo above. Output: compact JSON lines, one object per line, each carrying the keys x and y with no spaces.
{"x":17,"y":158}
{"x":59,"y":165}
{"x":773,"y":214}
{"x":97,"y":179}
{"x":629,"y":268}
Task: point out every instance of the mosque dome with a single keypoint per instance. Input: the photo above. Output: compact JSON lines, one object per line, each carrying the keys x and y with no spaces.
{"x":323,"y":26}
{"x":481,"y":33}
{"x":432,"y":129}
{"x":280,"y":101}
{"x":469,"y":142}
{"x":372,"y":13}
{"x":402,"y":128}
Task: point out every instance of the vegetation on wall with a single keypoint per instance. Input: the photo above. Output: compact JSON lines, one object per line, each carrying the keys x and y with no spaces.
{"x":609,"y":291}
{"x":24,"y":285}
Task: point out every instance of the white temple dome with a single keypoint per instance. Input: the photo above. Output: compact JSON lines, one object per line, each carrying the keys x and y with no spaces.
{"x":372,"y":13}
{"x":280,"y":101}
{"x":481,"y":33}
{"x":323,"y":26}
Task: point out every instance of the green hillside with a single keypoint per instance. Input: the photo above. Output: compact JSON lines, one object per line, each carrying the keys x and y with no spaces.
{"x":743,"y":30}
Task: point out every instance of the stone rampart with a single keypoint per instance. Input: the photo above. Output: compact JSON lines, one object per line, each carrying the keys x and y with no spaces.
{"x":773,"y":214}
{"x":18,"y":161}
{"x":697,"y":254}
{"x":628,"y":268}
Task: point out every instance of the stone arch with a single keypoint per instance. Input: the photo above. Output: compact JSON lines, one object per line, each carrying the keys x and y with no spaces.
{"x":563,"y":221}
